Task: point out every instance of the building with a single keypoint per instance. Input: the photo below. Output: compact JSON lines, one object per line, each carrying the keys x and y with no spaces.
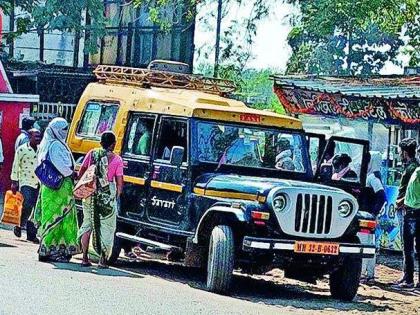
{"x":131,"y":39}
{"x":54,"y":64}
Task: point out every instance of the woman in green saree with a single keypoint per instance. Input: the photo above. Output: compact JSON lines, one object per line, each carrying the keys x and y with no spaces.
{"x":55,"y":213}
{"x":100,"y":210}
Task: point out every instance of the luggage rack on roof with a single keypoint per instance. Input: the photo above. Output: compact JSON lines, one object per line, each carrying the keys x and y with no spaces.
{"x":148,"y":78}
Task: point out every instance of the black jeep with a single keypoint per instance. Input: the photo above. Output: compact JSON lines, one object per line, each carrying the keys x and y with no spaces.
{"x":227,"y":195}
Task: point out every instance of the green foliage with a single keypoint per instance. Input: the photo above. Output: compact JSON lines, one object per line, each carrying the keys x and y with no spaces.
{"x":63,"y":16}
{"x":341,"y":37}
{"x":254,"y":87}
{"x":5,"y":5}
{"x":237,"y":36}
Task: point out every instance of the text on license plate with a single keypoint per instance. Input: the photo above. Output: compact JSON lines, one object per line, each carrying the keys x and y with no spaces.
{"x":317,"y":248}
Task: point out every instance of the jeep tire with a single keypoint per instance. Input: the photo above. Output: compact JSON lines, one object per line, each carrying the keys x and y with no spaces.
{"x":345,"y":281}
{"x":220,"y":259}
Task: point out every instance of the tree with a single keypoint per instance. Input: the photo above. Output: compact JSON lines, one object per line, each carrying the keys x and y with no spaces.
{"x":341,"y":37}
{"x":236,"y":36}
{"x":66,"y":16}
{"x":254,"y":87}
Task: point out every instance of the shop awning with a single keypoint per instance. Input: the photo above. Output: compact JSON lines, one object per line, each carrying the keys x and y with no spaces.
{"x":386,"y":99}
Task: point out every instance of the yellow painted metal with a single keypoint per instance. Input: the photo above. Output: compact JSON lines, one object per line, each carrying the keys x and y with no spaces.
{"x":228,"y":194}
{"x":135,"y":180}
{"x":147,"y":78}
{"x":167,"y":186}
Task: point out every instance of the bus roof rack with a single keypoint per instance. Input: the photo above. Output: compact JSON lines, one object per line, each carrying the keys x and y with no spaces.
{"x":164,"y":79}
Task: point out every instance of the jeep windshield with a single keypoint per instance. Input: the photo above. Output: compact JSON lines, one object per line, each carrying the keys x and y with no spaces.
{"x":249,"y":146}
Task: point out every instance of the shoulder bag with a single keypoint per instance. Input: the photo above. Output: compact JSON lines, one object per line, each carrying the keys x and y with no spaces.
{"x":48,"y":174}
{"x":86,"y":186}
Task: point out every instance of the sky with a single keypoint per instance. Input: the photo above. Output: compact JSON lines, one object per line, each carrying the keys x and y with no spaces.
{"x":270,"y":48}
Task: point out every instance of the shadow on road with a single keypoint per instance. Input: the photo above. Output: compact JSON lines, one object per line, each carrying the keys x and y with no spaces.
{"x":6,"y":245}
{"x":111,"y":272}
{"x":254,"y":290}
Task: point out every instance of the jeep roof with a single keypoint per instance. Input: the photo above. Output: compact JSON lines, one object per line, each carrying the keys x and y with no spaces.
{"x":175,"y":94}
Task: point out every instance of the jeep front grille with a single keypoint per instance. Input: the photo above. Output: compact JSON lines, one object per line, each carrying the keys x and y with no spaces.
{"x":313,"y":214}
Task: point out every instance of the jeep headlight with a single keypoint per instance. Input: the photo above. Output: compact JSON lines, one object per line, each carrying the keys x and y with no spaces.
{"x":345,"y":208}
{"x":279,"y":202}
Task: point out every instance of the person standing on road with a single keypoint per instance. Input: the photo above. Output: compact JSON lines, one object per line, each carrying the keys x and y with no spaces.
{"x":408,"y":157}
{"x":24,"y":179}
{"x":27,"y":124}
{"x":411,"y":228}
{"x":373,"y":201}
{"x":100,"y":210}
{"x":55,"y":213}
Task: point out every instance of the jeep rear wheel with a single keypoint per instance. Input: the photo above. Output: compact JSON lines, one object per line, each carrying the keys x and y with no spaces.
{"x":220,"y":259}
{"x":344,"y":282}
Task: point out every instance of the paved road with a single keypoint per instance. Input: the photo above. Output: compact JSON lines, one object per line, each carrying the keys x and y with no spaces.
{"x":30,"y":287}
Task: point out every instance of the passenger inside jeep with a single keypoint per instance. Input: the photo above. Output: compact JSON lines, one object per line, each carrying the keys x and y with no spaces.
{"x":284,"y":158}
{"x":173,"y":133}
{"x":143,"y":138}
{"x":342,"y":170}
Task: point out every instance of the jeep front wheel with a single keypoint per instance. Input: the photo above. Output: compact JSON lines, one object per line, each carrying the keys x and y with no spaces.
{"x":220,"y":259}
{"x":344,"y":282}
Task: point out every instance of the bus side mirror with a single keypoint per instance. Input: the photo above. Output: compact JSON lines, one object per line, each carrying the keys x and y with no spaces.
{"x":177,"y":156}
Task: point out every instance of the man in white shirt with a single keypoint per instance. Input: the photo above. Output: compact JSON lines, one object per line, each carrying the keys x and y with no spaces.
{"x":27,"y":124}
{"x":24,"y":179}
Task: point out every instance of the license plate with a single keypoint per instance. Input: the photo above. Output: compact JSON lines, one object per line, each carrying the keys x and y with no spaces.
{"x":317,"y":248}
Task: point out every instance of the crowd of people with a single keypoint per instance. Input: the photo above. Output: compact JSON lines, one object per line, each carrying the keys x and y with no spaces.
{"x":49,"y":212}
{"x":49,"y":209}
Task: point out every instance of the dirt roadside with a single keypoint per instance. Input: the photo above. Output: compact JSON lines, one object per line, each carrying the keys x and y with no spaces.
{"x":301,"y":298}
{"x":379,"y":298}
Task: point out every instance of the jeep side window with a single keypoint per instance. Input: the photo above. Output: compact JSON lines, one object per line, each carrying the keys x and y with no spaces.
{"x":139,"y":135}
{"x":172,"y":133}
{"x":97,"y":118}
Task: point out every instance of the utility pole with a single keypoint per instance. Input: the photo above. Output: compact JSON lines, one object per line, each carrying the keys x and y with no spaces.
{"x":86,"y":54}
{"x":76,"y":48}
{"x":41,"y":42}
{"x":10,"y":40}
{"x":218,"y":30}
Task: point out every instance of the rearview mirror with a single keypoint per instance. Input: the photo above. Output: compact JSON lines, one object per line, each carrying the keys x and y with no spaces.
{"x":177,"y":156}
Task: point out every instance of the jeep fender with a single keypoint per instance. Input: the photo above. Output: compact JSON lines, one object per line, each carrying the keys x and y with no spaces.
{"x":218,"y":212}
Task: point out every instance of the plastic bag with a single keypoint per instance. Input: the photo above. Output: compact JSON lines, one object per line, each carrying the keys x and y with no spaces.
{"x":12,"y":209}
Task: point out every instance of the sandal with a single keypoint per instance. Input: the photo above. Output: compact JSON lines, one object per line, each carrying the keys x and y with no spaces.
{"x":86,"y":264}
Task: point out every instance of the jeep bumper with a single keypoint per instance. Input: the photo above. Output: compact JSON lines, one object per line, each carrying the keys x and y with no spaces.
{"x":252,"y":244}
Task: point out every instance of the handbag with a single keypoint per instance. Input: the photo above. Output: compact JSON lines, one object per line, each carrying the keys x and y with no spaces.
{"x":48,"y":174}
{"x":86,"y":186}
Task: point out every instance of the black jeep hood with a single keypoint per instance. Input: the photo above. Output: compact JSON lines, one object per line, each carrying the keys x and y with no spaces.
{"x":249,"y":184}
